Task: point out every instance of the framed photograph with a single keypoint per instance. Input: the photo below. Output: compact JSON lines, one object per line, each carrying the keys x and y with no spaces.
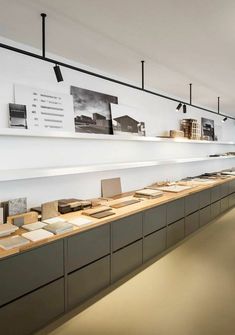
{"x":17,"y":116}
{"x":127,"y":121}
{"x":208,"y":129}
{"x":92,"y":111}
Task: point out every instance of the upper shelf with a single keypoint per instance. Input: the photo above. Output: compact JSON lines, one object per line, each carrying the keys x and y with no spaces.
{"x":73,"y":135}
{"x":31,"y":173}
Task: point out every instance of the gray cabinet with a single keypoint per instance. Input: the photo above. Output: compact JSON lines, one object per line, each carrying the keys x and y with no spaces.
{"x":175,"y":232}
{"x":231,"y":201}
{"x":192,"y":203}
{"x":154,"y":219}
{"x":224,"y":189}
{"x":87,"y":247}
{"x":191,"y":223}
{"x":33,"y":311}
{"x":126,"y":260}
{"x":215,"y":209}
{"x":224,"y":204}
{"x":28,"y":271}
{"x":154,"y":244}
{"x":232,"y":186}
{"x":205,"y":198}
{"x":215,"y":193}
{"x":175,"y":210}
{"x":126,"y":231}
{"x":205,"y":215}
{"x":88,"y":281}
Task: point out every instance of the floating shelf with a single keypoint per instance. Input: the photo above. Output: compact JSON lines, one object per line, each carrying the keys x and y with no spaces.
{"x":31,"y":173}
{"x":73,"y":135}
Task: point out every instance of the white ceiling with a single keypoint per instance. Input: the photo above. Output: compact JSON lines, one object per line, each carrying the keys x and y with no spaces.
{"x":182,"y":41}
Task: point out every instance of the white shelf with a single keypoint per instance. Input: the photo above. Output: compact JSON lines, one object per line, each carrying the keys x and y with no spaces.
{"x":73,"y":135}
{"x":31,"y":173}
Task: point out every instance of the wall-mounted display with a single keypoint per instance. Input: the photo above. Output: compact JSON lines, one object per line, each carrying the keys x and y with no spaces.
{"x":17,"y":116}
{"x":191,"y":129}
{"x":46,"y":110}
{"x":92,"y":112}
{"x":208,"y":129}
{"x":127,"y":121}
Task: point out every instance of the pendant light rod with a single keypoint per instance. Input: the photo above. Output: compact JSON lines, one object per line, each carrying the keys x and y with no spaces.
{"x":218,"y":105}
{"x":43,"y":15}
{"x":142,"y":66}
{"x":97,"y":75}
{"x":190,"y":94}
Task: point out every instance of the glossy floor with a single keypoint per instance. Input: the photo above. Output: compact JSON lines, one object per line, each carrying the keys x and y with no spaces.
{"x":189,"y":291}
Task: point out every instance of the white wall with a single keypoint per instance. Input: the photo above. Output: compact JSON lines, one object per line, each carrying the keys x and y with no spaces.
{"x":159,"y":115}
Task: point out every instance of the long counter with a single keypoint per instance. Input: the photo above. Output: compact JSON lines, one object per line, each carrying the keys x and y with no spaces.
{"x":44,"y":280}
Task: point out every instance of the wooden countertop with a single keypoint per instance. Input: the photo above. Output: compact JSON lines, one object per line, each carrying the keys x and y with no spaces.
{"x":119,"y":214}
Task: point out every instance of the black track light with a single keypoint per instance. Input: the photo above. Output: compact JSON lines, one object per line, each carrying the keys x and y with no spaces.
{"x":178,"y":107}
{"x":224,"y":119}
{"x":184,"y":109}
{"x":58,"y":73}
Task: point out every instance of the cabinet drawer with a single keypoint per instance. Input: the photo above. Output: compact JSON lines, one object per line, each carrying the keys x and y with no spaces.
{"x":215,"y":193}
{"x":154,"y":244}
{"x":126,"y":260}
{"x":205,"y":215}
{"x":28,"y":271}
{"x":87,"y":247}
{"x":175,"y":232}
{"x":215,"y":209}
{"x":88,"y":281}
{"x":191,"y":223}
{"x":224,"y":204}
{"x":154,"y":219}
{"x":205,"y":198}
{"x":126,"y":231}
{"x":192,"y":203}
{"x":232,"y":186}
{"x":224,"y":189}
{"x":33,"y":311}
{"x":175,"y":210}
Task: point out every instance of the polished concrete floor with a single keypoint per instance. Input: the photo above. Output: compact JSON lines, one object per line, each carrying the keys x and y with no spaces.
{"x":189,"y":291}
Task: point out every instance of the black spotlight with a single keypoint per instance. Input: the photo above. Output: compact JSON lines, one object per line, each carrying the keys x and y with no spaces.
{"x":224,"y":119}
{"x":58,"y":73}
{"x":184,"y":109}
{"x":178,"y":107}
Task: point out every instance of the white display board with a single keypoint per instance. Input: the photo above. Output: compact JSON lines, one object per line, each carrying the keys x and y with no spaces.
{"x":46,"y":110}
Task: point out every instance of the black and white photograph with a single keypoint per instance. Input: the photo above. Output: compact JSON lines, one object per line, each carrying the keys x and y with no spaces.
{"x":208,"y":129}
{"x":126,"y":121}
{"x":92,"y":111}
{"x":17,"y":116}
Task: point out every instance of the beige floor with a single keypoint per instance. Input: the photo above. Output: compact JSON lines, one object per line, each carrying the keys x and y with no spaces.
{"x":189,"y":291}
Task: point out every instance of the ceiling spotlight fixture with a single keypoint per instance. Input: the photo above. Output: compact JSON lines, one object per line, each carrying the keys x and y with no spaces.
{"x":178,"y":107}
{"x":184,"y":109}
{"x":58,"y":73}
{"x":224,"y":119}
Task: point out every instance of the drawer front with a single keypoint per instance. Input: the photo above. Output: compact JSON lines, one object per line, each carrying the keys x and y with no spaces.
{"x":215,"y":209}
{"x":126,"y":231}
{"x":175,"y":232}
{"x":154,"y":244}
{"x":154,"y":219}
{"x":224,"y":203}
{"x":205,"y":198}
{"x":231,"y":201}
{"x":88,"y":281}
{"x":224,"y":189}
{"x":205,"y":215}
{"x":126,"y":260}
{"x":232,"y":186}
{"x":191,"y":223}
{"x":175,"y":210}
{"x":215,"y":193}
{"x":28,"y":271}
{"x":33,"y":311}
{"x":192,"y":203}
{"x":87,"y":247}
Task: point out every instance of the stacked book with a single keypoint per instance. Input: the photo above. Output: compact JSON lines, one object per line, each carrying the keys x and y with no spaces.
{"x":59,"y":227}
{"x":148,"y":193}
{"x":7,"y":229}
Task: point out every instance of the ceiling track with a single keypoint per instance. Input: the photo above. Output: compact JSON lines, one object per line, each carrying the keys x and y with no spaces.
{"x":97,"y":75}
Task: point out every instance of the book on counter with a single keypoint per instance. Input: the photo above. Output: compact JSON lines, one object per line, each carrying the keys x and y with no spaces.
{"x":7,"y":229}
{"x":59,"y":227}
{"x":13,"y":242}
{"x":37,"y":235}
{"x":148,"y":193}
{"x":34,"y":226}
